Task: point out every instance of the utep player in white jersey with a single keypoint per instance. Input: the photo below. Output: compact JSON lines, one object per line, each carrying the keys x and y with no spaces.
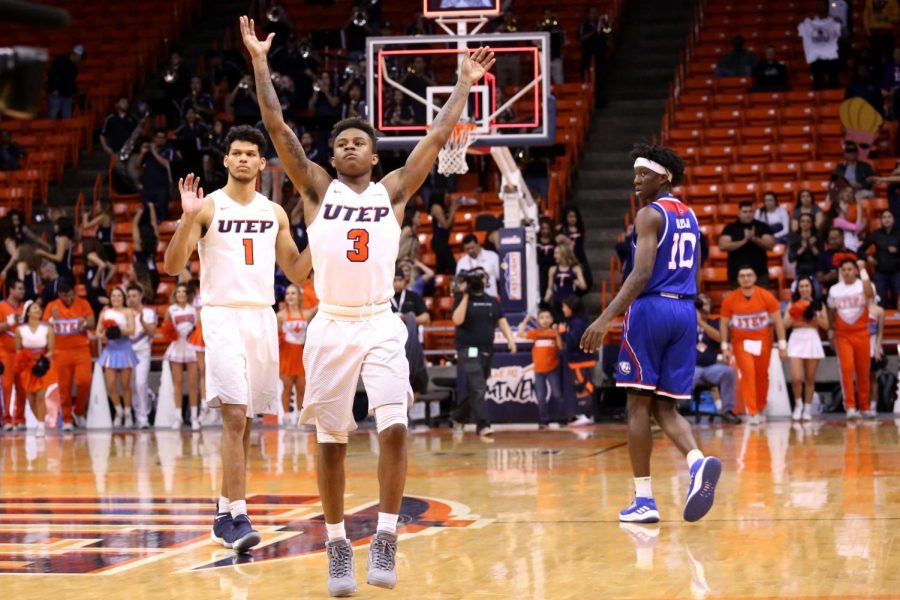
{"x":658,"y":355}
{"x":354,"y":234}
{"x":241,"y":235}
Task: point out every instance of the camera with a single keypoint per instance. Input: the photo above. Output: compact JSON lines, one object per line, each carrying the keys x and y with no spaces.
{"x":475,"y":281}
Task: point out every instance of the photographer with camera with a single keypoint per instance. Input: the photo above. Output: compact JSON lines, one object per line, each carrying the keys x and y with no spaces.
{"x":477,"y":257}
{"x":476,"y":315}
{"x":115,"y":326}
{"x":242,"y":102}
{"x":708,"y":369}
{"x":324,"y":102}
{"x":806,"y":316}
{"x":35,"y":342}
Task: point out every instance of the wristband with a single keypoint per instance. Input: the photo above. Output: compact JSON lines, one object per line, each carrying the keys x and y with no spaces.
{"x":724,"y":345}
{"x":782,"y":345}
{"x":864,"y":274}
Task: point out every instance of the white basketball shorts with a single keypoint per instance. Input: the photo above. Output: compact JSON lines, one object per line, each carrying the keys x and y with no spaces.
{"x":342,"y":346}
{"x":241,"y":357}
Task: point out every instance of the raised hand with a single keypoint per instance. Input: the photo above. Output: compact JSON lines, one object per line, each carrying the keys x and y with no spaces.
{"x":191,"y":195}
{"x":256,"y":47}
{"x":476,"y":64}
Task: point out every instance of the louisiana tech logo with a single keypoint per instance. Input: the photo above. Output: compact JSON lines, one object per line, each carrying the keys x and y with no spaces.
{"x":79,"y":535}
{"x":624,"y":367}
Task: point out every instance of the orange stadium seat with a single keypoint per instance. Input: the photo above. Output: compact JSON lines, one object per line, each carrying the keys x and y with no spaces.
{"x":725,"y":118}
{"x":756,"y":152}
{"x":796,"y":133}
{"x":707,"y":174}
{"x":761,"y":117}
{"x":721,"y":136}
{"x":783,"y":171}
{"x":759,"y":135}
{"x":736,"y":192}
{"x":796,"y":152}
{"x":744,"y":172}
{"x":717,"y":155}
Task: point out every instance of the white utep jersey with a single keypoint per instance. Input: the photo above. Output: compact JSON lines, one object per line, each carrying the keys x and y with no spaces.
{"x":849,"y":302}
{"x":354,"y":241}
{"x":237,"y":254}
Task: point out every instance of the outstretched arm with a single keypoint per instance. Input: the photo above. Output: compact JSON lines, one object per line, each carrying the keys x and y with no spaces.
{"x":295,"y":265}
{"x":197,"y":212}
{"x":403,"y":183}
{"x":309,"y":178}
{"x":647,"y":224}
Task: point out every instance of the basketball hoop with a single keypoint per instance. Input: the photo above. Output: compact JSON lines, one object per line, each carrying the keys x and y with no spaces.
{"x":452,"y":157}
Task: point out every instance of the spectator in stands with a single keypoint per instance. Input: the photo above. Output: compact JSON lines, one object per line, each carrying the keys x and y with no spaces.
{"x":578,"y":366}
{"x":399,"y":112}
{"x":215,"y":144}
{"x":103,"y":221}
{"x":405,"y":301}
{"x":63,"y":244}
{"x":27,"y":270}
{"x":880,"y":18}
{"x":97,"y":273}
{"x":145,"y":238}
{"x":417,"y":274}
{"x":890,"y":85}
{"x":417,"y":79}
{"x":211,"y":174}
{"x":747,"y":314}
{"x":829,"y":260}
{"x":737,"y":63}
{"x":841,"y":11}
{"x":571,"y":234}
{"x":181,"y":320}
{"x":866,"y":86}
{"x":61,"y":84}
{"x":71,"y":318}
{"x":11,"y":316}
{"x":354,"y":107}
{"x":708,"y":369}
{"x":192,"y":135}
{"x":805,"y":317}
{"x":546,"y":344}
{"x":508,"y":68}
{"x":804,"y":248}
{"x":885,"y":260}
{"x":355,"y":32}
{"x":476,"y":257}
{"x":746,"y":242}
{"x":50,"y":281}
{"x":476,"y":314}
{"x":441,"y":226}
{"x":156,"y":173}
{"x":10,"y":153}
{"x":847,"y":215}
{"x":325,"y":102}
{"x":821,"y":35}
{"x":848,"y":302}
{"x":806,"y":204}
{"x":594,"y":34}
{"x":550,"y":24}
{"x":312,"y":150}
{"x":409,"y":237}
{"x":115,"y":328}
{"x":770,"y":74}
{"x":242,"y":102}
{"x":35,"y":346}
{"x":546,"y":246}
{"x":858,"y":173}
{"x":421,"y":26}
{"x":176,"y":84}
{"x":117,"y":128}
{"x":775,"y":216}
{"x":200,"y":101}
{"x":278,"y":21}
{"x":565,"y":279}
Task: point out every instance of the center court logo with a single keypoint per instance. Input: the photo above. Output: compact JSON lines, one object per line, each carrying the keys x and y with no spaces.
{"x":625,"y":367}
{"x":74,"y":535}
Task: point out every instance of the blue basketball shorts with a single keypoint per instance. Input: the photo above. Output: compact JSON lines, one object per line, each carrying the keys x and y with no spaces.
{"x":659,"y":347}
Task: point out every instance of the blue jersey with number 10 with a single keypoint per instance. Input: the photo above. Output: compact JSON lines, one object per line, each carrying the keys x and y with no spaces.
{"x":677,"y":250}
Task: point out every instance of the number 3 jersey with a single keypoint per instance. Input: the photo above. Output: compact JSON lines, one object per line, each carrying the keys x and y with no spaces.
{"x":677,"y":250}
{"x":354,"y":241}
{"x":237,"y":253}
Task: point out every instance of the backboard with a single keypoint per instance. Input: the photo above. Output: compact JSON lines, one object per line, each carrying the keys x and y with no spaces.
{"x":409,"y":77}
{"x":434,"y":9}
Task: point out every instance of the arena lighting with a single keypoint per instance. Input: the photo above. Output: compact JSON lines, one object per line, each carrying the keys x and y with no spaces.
{"x":23,"y":69}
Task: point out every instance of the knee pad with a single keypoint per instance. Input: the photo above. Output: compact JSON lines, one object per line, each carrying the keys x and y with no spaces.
{"x":389,"y":415}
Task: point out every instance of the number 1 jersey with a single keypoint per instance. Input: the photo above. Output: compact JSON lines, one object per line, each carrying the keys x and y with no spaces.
{"x":237,"y":253}
{"x":677,"y":250}
{"x":354,"y":241}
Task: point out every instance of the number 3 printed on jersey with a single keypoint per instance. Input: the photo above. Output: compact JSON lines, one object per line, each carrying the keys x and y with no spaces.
{"x":360,"y":239}
{"x":684,"y":249}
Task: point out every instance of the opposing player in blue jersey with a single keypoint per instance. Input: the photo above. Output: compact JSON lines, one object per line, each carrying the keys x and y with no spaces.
{"x":657,"y":358}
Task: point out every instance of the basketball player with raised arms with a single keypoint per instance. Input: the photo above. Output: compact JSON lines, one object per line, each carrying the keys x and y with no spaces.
{"x":354,"y":234}
{"x":657,"y":358}
{"x":240,"y":236}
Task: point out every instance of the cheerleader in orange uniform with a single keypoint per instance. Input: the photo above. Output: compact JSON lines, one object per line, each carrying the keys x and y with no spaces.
{"x":848,"y":304}
{"x":34,"y":352}
{"x":195,"y":340}
{"x":292,"y":329}
{"x":181,"y":356}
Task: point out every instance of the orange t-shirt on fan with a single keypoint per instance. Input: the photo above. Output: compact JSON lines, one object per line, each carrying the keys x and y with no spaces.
{"x":544,"y":352}
{"x":69,"y":336}
{"x":8,"y":337}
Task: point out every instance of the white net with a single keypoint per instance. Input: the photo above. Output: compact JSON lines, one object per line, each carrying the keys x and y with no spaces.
{"x":452,"y":157}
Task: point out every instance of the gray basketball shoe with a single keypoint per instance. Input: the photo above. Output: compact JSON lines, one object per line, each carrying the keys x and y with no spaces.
{"x":382,"y":560}
{"x":341,"y":581}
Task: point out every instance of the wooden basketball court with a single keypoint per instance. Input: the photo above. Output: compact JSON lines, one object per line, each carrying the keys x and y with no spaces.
{"x":802,"y":511}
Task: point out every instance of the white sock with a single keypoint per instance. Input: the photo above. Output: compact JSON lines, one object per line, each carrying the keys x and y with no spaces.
{"x":718,"y":404}
{"x":195,"y":412}
{"x":693,"y":456}
{"x":336,"y":531}
{"x":387,"y":522}
{"x":238,"y":507}
{"x":224,"y":504}
{"x":642,"y":487}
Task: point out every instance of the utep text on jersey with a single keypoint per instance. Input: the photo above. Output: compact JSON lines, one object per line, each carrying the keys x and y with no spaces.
{"x":677,"y":250}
